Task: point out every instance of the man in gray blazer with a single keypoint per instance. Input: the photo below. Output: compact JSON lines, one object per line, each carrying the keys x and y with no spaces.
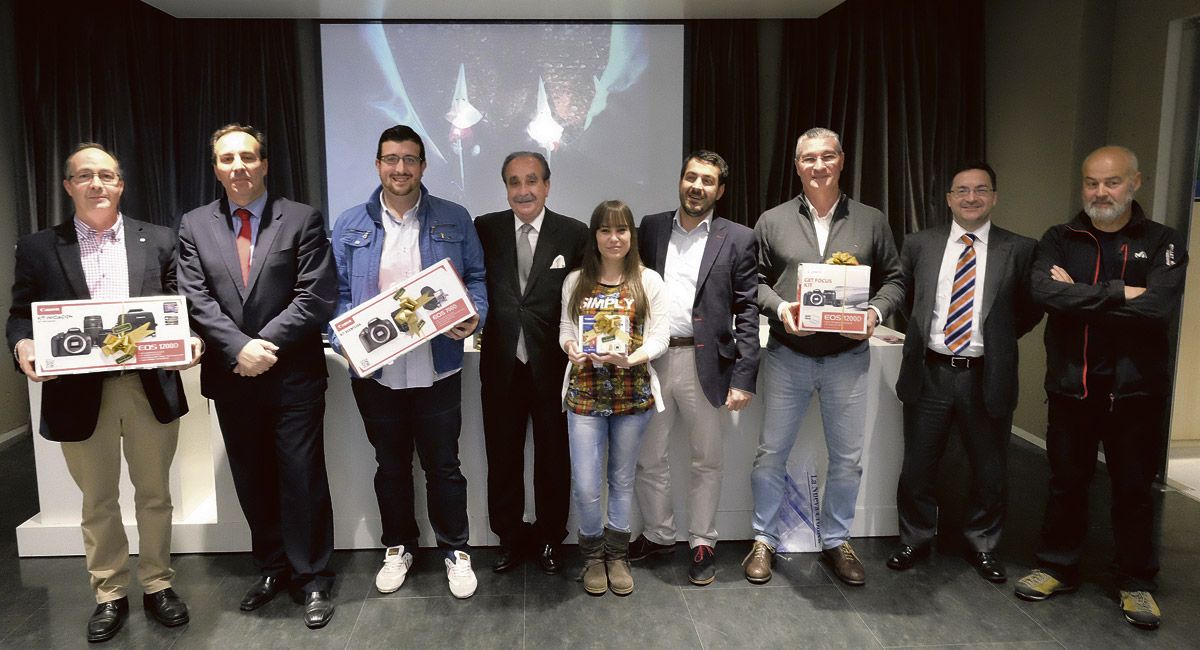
{"x":967,"y":290}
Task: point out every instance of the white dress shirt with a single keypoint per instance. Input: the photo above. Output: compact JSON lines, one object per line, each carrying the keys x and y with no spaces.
{"x":400,"y":259}
{"x":945,"y":285}
{"x":685,"y":251}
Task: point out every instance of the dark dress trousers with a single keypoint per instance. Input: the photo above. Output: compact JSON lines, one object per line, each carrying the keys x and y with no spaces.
{"x":977,"y":402}
{"x":273,"y":423}
{"x":513,"y":392}
{"x":48,"y":268}
{"x":725,"y":312}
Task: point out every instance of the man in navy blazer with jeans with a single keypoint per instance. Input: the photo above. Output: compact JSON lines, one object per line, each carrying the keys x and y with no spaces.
{"x":710,"y":267}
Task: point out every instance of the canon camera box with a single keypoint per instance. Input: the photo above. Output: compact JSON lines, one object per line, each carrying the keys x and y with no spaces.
{"x":403,"y":317}
{"x":833,"y":298}
{"x":72,"y":337}
{"x":604,"y":333}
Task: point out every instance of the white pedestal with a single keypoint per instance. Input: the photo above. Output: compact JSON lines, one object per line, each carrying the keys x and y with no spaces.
{"x":209,"y":519}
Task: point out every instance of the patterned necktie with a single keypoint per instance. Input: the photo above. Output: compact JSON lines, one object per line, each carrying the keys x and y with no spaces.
{"x":524,"y":264}
{"x":243,"y":244}
{"x":962,"y":299}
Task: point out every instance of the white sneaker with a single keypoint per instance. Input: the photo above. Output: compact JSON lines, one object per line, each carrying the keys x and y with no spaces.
{"x":396,"y":562}
{"x":461,"y":577}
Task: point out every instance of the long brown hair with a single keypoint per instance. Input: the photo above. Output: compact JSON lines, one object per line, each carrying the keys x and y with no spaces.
{"x":611,"y":214}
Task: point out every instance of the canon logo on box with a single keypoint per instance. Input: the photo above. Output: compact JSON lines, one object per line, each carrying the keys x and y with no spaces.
{"x":49,"y":309}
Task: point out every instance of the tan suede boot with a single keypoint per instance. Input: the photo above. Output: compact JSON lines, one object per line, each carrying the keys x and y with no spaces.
{"x":616,"y":553}
{"x":593,"y":576}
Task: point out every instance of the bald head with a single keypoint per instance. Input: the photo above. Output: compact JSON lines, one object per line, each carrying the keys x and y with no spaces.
{"x":1110,"y":181}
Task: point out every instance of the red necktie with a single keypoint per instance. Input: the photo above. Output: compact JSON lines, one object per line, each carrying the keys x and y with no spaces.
{"x":243,"y":244}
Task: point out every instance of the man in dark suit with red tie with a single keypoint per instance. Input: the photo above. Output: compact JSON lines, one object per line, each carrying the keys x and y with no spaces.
{"x":527,"y":251}
{"x":103,"y":254}
{"x":258,"y":273}
{"x":967,"y":289}
{"x":709,"y":265}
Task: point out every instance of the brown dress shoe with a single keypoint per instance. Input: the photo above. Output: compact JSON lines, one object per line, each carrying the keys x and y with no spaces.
{"x":846,"y":565}
{"x":758,"y":563}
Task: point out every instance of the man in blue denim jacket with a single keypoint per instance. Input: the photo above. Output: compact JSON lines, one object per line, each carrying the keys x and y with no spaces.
{"x":415,"y":400}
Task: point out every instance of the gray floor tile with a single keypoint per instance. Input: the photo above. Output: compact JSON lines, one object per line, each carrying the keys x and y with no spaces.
{"x":940,"y":601}
{"x":559,"y":614}
{"x":66,"y":627}
{"x":218,"y":623}
{"x":445,"y":622}
{"x":807,"y":617}
{"x":1090,"y":618}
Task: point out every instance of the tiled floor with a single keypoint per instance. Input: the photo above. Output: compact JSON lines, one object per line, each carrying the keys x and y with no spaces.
{"x":941,"y":603}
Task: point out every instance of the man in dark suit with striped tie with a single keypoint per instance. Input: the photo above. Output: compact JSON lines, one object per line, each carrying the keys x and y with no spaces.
{"x":967,"y":292}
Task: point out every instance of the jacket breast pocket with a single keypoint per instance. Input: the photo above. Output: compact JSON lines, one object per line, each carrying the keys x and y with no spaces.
{"x":449,"y":233}
{"x":355,"y":245}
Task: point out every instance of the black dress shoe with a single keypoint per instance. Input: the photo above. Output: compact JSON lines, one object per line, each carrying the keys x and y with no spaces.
{"x":906,"y":557}
{"x":510,"y":558}
{"x":166,"y":607}
{"x":988,"y":567}
{"x":318,"y":609}
{"x":261,"y":592}
{"x":550,"y":559}
{"x":107,"y":620}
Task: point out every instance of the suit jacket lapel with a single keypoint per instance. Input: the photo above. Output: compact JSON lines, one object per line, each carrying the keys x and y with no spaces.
{"x":712,"y":249}
{"x":929,"y":272}
{"x":268,"y":227}
{"x":68,"y":255}
{"x":998,"y":252}
{"x":223,"y":235}
{"x":663,"y":240}
{"x":135,"y":257}
{"x":541,"y":255}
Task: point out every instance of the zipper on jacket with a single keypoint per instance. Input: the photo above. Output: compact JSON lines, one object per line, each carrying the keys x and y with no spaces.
{"x":1112,"y":402}
{"x":1095,"y":276}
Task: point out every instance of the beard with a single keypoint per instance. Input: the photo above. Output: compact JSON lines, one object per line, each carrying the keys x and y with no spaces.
{"x":1106,"y":214}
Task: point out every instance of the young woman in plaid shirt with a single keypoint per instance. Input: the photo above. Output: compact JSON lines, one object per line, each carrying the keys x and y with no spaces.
{"x":609,"y":397}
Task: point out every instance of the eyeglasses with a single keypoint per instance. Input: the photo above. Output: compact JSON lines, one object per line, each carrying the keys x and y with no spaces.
{"x":392,"y":159}
{"x":827,"y":158}
{"x":85,"y":177}
{"x":964,"y":192}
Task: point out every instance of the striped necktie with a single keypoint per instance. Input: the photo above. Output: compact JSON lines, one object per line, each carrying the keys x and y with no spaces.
{"x":962,"y":299}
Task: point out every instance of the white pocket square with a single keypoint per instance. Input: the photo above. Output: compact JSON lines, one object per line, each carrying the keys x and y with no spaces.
{"x":558,"y":263}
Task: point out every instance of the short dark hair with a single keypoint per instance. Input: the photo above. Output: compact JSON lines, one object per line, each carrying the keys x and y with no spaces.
{"x":87,"y":145}
{"x":709,"y":157}
{"x":975,"y":164}
{"x":238,"y":128}
{"x":525,"y":154}
{"x":399,"y":133}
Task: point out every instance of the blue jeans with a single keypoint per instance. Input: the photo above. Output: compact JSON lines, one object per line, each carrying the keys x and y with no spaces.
{"x":589,"y":436}
{"x":787,"y":382}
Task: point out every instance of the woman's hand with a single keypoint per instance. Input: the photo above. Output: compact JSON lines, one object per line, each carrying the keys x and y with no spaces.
{"x":573,"y":353}
{"x":618,"y":360}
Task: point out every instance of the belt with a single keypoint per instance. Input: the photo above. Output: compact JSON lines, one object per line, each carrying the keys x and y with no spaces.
{"x":937,"y":358}
{"x":681,"y":341}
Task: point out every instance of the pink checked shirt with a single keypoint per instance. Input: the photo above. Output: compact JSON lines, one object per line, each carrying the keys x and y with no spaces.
{"x":104,"y":262}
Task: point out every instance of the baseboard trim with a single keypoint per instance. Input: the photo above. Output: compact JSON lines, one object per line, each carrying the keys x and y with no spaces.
{"x":1041,"y":442}
{"x":9,"y":437}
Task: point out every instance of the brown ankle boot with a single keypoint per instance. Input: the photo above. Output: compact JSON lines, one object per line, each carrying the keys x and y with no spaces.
{"x":616,"y":553}
{"x":593,"y":576}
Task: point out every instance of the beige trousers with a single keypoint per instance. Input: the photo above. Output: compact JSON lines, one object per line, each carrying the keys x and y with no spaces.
{"x":687,"y":412}
{"x":125,"y":421}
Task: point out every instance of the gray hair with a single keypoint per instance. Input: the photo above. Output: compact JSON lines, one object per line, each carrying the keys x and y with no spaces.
{"x":819,"y":132}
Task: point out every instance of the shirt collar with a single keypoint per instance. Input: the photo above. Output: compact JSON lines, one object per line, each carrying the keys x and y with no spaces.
{"x":116,"y":232}
{"x":705,"y":223}
{"x":255,"y":207}
{"x":813,"y":211}
{"x":981,"y":233}
{"x":536,"y":223}
{"x":387,"y":212}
